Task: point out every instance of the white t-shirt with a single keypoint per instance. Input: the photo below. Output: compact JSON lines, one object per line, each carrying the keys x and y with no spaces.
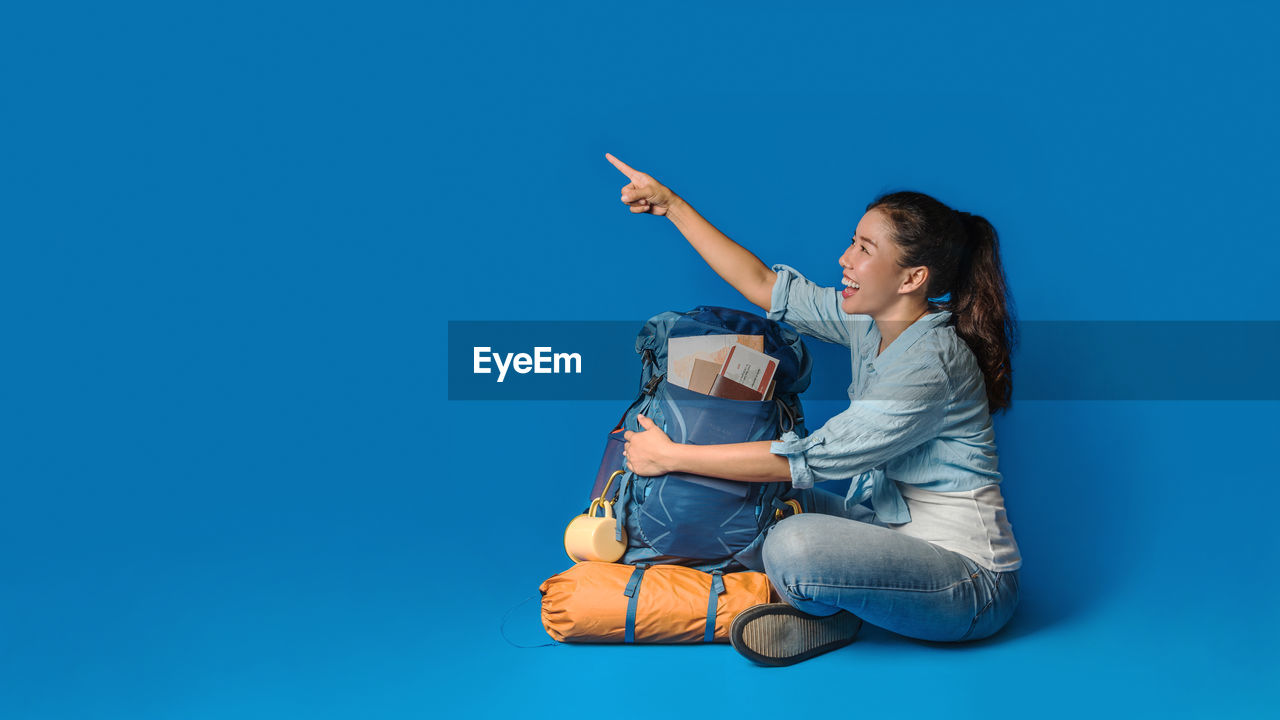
{"x":970,"y":522}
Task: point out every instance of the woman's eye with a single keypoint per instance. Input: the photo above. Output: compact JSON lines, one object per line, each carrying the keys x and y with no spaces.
{"x":865,"y":250}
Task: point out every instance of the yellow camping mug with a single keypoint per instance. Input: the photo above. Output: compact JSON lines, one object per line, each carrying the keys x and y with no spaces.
{"x":592,"y":538}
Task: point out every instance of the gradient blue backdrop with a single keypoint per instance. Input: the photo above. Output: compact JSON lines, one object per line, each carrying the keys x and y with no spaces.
{"x":233,"y":234}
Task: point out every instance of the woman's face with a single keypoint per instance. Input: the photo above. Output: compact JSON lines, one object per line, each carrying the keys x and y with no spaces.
{"x":871,"y":261}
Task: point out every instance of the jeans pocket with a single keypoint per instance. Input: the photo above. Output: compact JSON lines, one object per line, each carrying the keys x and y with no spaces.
{"x":985,"y":589}
{"x":999,"y":607}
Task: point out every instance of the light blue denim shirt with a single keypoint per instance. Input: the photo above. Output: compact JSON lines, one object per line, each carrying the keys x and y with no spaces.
{"x":918,"y":414}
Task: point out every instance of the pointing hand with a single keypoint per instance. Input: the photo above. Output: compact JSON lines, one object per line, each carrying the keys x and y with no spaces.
{"x":643,"y":193}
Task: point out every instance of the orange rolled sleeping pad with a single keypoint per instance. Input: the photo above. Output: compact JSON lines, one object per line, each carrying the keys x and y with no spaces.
{"x":608,"y":602}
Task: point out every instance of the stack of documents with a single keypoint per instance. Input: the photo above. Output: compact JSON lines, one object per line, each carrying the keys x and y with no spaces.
{"x":726,"y":366}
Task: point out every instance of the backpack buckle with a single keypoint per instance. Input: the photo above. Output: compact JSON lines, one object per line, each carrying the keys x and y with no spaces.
{"x":652,"y":385}
{"x":780,"y":508}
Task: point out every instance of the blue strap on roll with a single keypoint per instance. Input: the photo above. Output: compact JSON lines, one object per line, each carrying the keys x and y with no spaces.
{"x":633,"y":591}
{"x":717,"y":588}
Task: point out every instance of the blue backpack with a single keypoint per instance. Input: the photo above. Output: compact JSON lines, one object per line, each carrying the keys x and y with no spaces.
{"x":701,"y":522}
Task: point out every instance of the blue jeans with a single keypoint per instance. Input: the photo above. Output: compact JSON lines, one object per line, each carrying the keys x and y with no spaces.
{"x":827,"y":560}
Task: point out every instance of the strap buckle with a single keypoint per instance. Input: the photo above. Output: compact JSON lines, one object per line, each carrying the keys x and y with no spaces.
{"x":652,"y":385}
{"x":781,"y":506}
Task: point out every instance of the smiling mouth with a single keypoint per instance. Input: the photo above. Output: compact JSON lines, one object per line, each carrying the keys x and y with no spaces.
{"x":850,"y":287}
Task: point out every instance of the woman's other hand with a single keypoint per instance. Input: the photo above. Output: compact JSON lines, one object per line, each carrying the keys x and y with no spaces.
{"x":643,"y":193}
{"x":648,"y":452}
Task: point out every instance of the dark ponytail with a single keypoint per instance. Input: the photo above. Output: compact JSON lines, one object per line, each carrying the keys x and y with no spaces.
{"x":966,"y":277}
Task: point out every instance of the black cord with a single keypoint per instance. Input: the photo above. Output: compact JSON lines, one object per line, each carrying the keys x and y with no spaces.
{"x":503,"y":627}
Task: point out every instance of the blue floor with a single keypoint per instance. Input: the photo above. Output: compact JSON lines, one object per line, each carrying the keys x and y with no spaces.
{"x":354,"y":592}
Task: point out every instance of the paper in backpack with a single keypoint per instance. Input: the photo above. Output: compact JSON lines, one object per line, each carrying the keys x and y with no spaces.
{"x":745,"y":375}
{"x":687,"y":356}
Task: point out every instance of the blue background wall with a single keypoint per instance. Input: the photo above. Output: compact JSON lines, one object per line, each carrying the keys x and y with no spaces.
{"x":233,"y":484}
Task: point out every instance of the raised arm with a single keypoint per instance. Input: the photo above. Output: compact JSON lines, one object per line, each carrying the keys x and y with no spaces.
{"x":737,"y":265}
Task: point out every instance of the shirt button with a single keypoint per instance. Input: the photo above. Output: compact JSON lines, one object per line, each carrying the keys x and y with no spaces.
{"x":871,"y":368}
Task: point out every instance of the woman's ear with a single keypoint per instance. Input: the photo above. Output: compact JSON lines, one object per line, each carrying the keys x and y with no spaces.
{"x":916,"y":279}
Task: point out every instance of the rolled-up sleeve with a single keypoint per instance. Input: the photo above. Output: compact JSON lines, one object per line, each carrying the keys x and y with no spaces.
{"x":809,"y":308}
{"x":902,"y":411}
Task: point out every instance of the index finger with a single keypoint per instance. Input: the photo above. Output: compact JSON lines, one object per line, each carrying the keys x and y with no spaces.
{"x":625,"y":168}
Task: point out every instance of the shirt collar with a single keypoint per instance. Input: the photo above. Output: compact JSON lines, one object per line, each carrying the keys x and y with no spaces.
{"x":909,"y":336}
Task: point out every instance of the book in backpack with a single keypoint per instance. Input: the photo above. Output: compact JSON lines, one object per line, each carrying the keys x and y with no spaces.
{"x":685,"y":519}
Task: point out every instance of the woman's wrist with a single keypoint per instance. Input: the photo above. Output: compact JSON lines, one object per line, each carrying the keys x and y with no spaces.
{"x":676,"y":457}
{"x":677,"y":209}
{"x":742,"y":462}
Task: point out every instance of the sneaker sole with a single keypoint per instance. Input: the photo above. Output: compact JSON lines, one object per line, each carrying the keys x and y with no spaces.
{"x":777,"y":634}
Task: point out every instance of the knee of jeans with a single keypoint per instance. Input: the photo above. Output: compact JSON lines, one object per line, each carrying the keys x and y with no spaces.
{"x":785,"y":546}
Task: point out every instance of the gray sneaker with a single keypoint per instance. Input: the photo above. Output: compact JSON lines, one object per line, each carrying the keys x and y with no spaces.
{"x":778,"y":634}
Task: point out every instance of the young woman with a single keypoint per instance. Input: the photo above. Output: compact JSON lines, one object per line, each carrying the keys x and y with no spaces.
{"x":921,"y":544}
